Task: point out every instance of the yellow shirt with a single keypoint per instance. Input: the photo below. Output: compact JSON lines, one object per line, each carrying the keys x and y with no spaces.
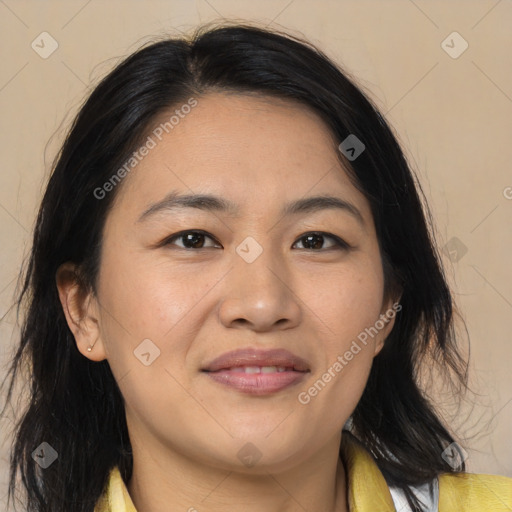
{"x":368,"y":490}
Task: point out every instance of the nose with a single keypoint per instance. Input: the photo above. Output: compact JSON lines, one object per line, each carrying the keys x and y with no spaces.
{"x":260,"y":296}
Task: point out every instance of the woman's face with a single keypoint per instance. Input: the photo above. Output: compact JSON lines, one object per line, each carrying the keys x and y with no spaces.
{"x":167,"y":306}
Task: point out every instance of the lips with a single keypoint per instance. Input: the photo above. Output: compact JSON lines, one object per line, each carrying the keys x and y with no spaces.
{"x":253,"y":358}
{"x":257,"y":372}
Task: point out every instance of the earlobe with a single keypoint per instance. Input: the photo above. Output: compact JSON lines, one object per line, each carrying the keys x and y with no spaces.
{"x":81,"y":312}
{"x":379,"y":345}
{"x":388,"y":316}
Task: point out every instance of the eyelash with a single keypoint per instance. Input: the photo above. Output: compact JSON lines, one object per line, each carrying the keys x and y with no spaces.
{"x":340,"y":243}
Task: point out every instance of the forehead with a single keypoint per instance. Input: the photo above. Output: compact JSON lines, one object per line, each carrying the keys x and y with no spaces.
{"x":250,"y":128}
{"x":251,"y":148}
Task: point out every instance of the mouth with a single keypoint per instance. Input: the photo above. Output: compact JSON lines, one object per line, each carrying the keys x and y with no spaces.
{"x":257,"y":372}
{"x":257,"y":369}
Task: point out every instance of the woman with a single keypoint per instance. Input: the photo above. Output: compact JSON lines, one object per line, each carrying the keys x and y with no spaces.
{"x":230,"y":264}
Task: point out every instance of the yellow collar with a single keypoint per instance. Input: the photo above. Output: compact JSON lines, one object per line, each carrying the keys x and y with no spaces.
{"x":115,"y":498}
{"x":367,"y":488}
{"x":363,"y":476}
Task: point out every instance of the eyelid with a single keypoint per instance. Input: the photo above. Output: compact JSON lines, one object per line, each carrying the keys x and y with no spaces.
{"x":339,"y":242}
{"x":169,"y":239}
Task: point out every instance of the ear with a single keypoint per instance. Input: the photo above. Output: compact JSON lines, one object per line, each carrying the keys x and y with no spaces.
{"x":81,"y":309}
{"x":390,"y":309}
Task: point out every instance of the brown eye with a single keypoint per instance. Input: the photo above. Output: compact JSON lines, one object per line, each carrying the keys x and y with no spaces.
{"x":316,"y":240}
{"x":191,"y":240}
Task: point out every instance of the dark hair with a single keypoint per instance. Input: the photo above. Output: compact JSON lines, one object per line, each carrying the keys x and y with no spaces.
{"x":75,"y":405}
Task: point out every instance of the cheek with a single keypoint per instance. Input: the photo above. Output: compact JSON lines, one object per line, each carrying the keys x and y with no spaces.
{"x":157,"y":309}
{"x":148,"y":318}
{"x":346,"y":301}
{"x":347,"y":304}
{"x":337,"y":385}
{"x":145,"y":299}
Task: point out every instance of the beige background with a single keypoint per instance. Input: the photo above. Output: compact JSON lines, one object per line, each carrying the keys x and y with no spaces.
{"x":453,"y":117}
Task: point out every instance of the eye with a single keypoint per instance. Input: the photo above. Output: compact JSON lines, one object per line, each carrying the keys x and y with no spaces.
{"x":315,"y":241}
{"x":191,"y":239}
{"x":195,"y":239}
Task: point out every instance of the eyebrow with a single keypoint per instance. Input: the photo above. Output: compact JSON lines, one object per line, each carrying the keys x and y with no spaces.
{"x":212,"y":203}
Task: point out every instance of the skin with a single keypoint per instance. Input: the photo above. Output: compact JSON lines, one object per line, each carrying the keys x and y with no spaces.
{"x":196,"y":304}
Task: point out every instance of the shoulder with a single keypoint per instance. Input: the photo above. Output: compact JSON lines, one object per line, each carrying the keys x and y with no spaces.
{"x":475,"y":492}
{"x":464,"y":492}
{"x":461,"y":492}
{"x":115,"y":497}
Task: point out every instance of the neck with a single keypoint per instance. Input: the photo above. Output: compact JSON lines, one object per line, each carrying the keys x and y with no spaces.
{"x":162,"y":482}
